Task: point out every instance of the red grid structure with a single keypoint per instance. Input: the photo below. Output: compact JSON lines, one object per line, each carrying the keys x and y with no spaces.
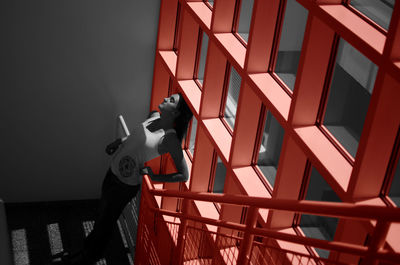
{"x":362,"y":179}
{"x":236,"y":243}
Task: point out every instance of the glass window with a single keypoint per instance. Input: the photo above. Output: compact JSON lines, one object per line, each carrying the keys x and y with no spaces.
{"x":244,"y":19}
{"x":350,"y":92}
{"x":210,"y":2}
{"x":270,"y":148}
{"x":193,"y":135}
{"x":318,"y":226}
{"x":232,"y":97}
{"x":202,"y":58}
{"x":394,"y":192}
{"x":380,"y":11}
{"x":291,"y":41}
{"x":219,"y":179}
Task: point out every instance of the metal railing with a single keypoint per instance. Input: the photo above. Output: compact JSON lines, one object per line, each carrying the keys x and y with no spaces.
{"x":169,"y":237}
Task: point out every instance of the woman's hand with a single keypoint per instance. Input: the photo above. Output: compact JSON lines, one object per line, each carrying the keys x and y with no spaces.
{"x":147,"y":171}
{"x":111,"y":148}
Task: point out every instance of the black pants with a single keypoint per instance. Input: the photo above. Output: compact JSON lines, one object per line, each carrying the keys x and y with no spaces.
{"x":115,"y":195}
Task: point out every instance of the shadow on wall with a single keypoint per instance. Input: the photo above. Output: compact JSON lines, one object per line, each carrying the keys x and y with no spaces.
{"x":68,"y":69}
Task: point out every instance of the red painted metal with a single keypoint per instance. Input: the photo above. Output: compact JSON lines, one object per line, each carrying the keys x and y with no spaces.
{"x":242,"y":251}
{"x":359,"y":183}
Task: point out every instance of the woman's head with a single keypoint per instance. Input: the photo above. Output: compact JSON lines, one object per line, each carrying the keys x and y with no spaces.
{"x":177,"y":108}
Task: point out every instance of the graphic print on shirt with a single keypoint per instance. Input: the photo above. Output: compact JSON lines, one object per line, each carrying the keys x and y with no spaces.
{"x":128,"y":167}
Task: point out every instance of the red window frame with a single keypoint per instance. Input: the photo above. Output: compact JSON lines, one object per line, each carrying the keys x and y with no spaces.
{"x":393,"y":163}
{"x":275,"y":47}
{"x":177,"y":25}
{"x":260,"y":131}
{"x":208,"y":4}
{"x":186,"y":144}
{"x":225,"y":97}
{"x":212,"y":179}
{"x":324,"y":103}
{"x":235,"y":23}
{"x":197,"y":61}
{"x":364,"y":17}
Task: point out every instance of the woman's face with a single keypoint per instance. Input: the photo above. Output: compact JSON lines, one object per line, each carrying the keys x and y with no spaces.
{"x":169,"y":105}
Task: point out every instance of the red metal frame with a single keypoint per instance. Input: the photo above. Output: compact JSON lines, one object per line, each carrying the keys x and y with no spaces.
{"x":260,"y":130}
{"x":372,"y":253}
{"x":176,"y":33}
{"x":367,"y":19}
{"x":235,"y":23}
{"x":358,"y":181}
{"x":224,"y":98}
{"x":390,"y":172}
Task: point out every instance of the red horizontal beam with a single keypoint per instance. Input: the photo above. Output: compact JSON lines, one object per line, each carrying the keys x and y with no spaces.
{"x":332,"y":209}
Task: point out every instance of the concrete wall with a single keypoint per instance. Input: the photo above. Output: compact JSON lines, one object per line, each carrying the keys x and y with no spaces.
{"x":67,"y":69}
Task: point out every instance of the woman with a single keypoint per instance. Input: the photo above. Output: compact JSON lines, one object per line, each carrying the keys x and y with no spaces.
{"x":161,"y":133}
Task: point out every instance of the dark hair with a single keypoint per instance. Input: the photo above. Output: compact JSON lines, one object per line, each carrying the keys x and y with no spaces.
{"x":182,"y":121}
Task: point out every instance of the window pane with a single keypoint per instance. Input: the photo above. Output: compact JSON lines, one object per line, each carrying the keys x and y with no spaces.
{"x":232,"y":97}
{"x":246,"y":10}
{"x":379,"y":11}
{"x":211,"y":2}
{"x":202,"y":58}
{"x":193,"y":135}
{"x":351,"y":88}
{"x":394,"y":192}
{"x":294,"y":24}
{"x":317,"y":226}
{"x":270,"y":149}
{"x":220,"y":174}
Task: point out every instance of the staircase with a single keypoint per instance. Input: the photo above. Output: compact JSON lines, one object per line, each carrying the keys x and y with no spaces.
{"x":182,"y":237}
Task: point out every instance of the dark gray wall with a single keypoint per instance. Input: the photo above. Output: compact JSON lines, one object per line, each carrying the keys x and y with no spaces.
{"x":67,"y":69}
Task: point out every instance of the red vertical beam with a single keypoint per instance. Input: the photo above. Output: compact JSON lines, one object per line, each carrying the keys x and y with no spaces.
{"x":246,"y":125}
{"x":313,"y":66}
{"x":230,"y":213}
{"x":223,"y":14}
{"x":392,"y":47}
{"x":160,"y":86}
{"x":262,"y":30}
{"x":213,"y":82}
{"x":201,"y":168}
{"x":288,"y":181}
{"x":187,"y":46}
{"x":376,"y":243}
{"x":377,"y":141}
{"x":247,"y":241}
{"x":166,"y":24}
{"x":353,"y":232}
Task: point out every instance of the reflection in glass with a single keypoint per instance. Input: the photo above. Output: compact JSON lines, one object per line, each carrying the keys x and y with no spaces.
{"x":351,"y":88}
{"x":211,"y":2}
{"x":270,"y":149}
{"x":202,"y":58}
{"x":394,"y":192}
{"x":220,"y":174}
{"x":317,"y":226}
{"x":380,"y":11}
{"x":246,"y":10}
{"x":193,"y":135}
{"x":232,"y":97}
{"x":294,"y":24}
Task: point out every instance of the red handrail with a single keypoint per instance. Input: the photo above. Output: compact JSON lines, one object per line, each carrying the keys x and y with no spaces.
{"x":332,"y":209}
{"x":373,"y":252}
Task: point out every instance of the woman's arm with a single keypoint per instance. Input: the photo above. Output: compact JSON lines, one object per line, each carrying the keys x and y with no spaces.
{"x":171,"y":145}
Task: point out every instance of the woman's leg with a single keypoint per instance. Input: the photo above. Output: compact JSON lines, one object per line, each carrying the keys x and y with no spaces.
{"x":115,"y":196}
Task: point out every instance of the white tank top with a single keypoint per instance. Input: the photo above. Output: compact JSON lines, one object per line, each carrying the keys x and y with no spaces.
{"x":139,"y":148}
